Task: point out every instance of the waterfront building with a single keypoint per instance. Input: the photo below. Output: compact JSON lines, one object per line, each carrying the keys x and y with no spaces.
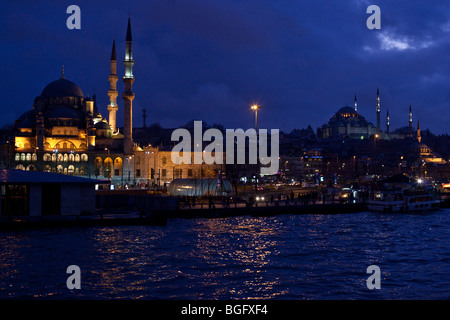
{"x":31,"y":193}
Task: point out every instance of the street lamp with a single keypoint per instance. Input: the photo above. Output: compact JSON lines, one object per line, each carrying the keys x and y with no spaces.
{"x":256,"y":108}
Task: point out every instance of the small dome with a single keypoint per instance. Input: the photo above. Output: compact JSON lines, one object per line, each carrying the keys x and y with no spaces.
{"x":65,"y":112}
{"x":62,"y":88}
{"x":102,"y":125}
{"x":29,"y":115}
{"x":26,"y":120}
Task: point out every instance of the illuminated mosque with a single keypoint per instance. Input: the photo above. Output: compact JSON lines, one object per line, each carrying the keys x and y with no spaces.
{"x":348,"y":123}
{"x":65,"y":133}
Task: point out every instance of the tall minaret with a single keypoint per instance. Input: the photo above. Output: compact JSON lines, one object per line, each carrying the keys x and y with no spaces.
{"x":378,"y":110}
{"x":356,"y":104}
{"x":419,"y":138}
{"x":112,"y":92}
{"x":387,"y":121}
{"x":128,"y":94}
{"x":410,"y":122}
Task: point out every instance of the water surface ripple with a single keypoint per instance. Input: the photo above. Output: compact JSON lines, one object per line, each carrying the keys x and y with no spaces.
{"x":282,"y":257}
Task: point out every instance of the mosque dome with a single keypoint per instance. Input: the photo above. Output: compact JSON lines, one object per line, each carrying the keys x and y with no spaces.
{"x":64,"y":112}
{"x":62,"y":88}
{"x":346,"y":112}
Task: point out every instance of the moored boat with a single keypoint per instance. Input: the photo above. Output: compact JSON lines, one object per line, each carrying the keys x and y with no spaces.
{"x":404,"y":198}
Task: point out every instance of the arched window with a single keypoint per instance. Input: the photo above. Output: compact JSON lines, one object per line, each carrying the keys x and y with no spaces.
{"x":59,"y":169}
{"x":83,"y":171}
{"x":77,"y":171}
{"x":28,"y":157}
{"x":118,"y":166}
{"x":164,"y":161}
{"x":71,"y":170}
{"x":108,"y":166}
{"x":98,"y":166}
{"x":83,"y":146}
{"x":31,"y":168}
{"x":54,"y":157}
{"x":22,"y":157}
{"x":34,"y":157}
{"x":71,"y":157}
{"x":77,"y":158}
{"x":66,"y":157}
{"x":17,"y":157}
{"x":47,"y":168}
{"x":84,"y":157}
{"x":60,"y":157}
{"x":65,"y":170}
{"x":20,"y":167}
{"x":64,"y":144}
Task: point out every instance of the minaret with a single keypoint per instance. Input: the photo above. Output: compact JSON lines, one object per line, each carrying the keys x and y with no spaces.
{"x":419,"y":138}
{"x":144,"y":117}
{"x":410,"y":122}
{"x":356,"y":104}
{"x":112,"y":92}
{"x":387,"y":121}
{"x":378,"y":110}
{"x":128,"y":94}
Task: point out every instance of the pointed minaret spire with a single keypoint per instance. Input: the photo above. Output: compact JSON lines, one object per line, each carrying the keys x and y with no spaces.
{"x":144,"y":117}
{"x":129,"y":62}
{"x":129,"y":31}
{"x":378,"y":110}
{"x":387,"y":121}
{"x":419,"y":138}
{"x":128,"y":94}
{"x":113,"y":52}
{"x":410,"y":122}
{"x":62,"y":73}
{"x":112,"y":92}
{"x":356,"y":104}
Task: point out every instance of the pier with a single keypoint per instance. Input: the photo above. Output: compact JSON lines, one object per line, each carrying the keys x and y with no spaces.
{"x":139,"y":207}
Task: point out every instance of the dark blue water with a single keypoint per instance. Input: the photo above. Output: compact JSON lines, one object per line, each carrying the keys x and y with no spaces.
{"x":282,"y":257}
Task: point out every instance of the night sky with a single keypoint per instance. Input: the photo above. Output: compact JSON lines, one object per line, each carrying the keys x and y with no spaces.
{"x":212,"y":59}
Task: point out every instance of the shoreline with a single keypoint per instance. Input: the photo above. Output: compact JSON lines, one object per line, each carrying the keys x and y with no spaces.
{"x":114,"y":217}
{"x":159,"y":217}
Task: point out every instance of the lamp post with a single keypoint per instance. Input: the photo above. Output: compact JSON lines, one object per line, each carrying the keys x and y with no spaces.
{"x":255,"y":108}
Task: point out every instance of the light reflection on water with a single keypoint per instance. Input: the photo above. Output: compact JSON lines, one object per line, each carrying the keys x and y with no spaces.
{"x":282,"y":257}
